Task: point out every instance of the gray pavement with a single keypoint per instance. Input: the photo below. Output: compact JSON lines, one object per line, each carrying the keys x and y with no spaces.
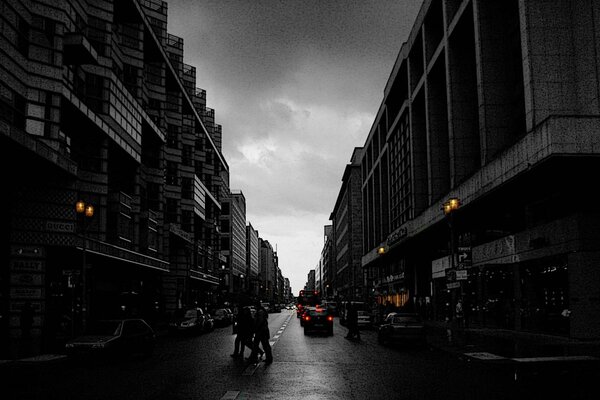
{"x":305,"y":367}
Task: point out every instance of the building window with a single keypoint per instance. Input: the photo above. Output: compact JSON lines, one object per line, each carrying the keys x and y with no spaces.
{"x":12,"y":107}
{"x":172,"y":173}
{"x":22,"y":36}
{"x":187,"y":190}
{"x":173,"y":136}
{"x":172,"y":207}
{"x":187,"y":221}
{"x":42,"y":34}
{"x":401,"y":193}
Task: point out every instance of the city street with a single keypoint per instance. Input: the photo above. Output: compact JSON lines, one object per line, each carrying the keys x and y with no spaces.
{"x":304,"y":367}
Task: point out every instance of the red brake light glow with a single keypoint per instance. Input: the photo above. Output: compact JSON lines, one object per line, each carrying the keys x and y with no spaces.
{"x":330,"y":318}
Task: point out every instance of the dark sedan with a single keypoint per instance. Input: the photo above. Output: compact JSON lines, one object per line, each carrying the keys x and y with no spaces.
{"x":114,"y":338}
{"x":402,"y":328}
{"x":318,"y":319}
{"x":194,"y":320}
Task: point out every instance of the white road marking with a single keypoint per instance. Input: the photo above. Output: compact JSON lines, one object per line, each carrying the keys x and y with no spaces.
{"x":230,"y":395}
{"x":250,"y":369}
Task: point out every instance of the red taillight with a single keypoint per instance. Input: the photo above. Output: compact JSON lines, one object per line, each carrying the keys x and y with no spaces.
{"x":306,"y":318}
{"x":330,"y":318}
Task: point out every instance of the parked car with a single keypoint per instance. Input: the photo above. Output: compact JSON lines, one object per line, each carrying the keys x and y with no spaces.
{"x":114,"y":338}
{"x":222,"y":317}
{"x":318,"y":319}
{"x":266,"y":306}
{"x":193,"y":320}
{"x":402,"y":328}
{"x":231,"y":315}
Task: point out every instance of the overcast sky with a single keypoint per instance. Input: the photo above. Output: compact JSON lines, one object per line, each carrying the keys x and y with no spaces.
{"x":295,"y":85}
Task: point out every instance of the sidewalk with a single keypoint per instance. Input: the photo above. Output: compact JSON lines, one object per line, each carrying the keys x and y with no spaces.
{"x":519,"y":353}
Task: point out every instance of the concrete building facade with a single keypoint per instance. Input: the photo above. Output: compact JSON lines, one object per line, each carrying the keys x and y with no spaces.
{"x":98,"y":107}
{"x":252,"y":260}
{"x":233,"y":242}
{"x":347,"y":234}
{"x":494,"y":104}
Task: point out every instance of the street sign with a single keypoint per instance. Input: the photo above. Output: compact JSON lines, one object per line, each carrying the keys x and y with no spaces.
{"x":461,"y":275}
{"x":453,"y":285}
{"x":465,"y":259}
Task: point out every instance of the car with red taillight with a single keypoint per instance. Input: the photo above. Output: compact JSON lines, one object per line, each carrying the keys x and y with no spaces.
{"x":318,"y":319}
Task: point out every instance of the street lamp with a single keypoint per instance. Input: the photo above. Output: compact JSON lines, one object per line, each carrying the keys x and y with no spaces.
{"x":449,"y":208}
{"x":85,"y":211}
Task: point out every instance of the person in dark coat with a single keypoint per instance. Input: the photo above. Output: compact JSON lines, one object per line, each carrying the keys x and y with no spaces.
{"x":261,"y":336}
{"x":352,"y":318}
{"x":244,"y":331}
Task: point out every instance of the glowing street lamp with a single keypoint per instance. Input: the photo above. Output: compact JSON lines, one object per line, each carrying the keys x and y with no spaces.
{"x":86,"y":211}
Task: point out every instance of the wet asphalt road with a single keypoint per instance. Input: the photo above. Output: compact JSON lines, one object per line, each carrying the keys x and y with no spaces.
{"x":304,"y":367}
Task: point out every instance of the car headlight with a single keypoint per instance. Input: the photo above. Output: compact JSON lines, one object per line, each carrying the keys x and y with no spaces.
{"x":69,"y":345}
{"x":98,"y":346}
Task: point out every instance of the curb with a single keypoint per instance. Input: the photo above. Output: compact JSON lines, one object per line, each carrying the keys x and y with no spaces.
{"x":43,"y":359}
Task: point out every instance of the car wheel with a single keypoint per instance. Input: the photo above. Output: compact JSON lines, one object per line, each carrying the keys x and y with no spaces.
{"x":381,"y":339}
{"x":305,"y":331}
{"x":330,"y":332}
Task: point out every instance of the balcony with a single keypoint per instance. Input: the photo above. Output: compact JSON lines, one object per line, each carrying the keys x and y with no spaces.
{"x":78,"y":50}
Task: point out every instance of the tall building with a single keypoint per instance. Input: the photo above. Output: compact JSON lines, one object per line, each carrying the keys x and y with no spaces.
{"x":252,"y":260}
{"x":347,"y":234}
{"x":267,"y":266}
{"x":233,"y":241}
{"x":310,"y":280}
{"x":99,"y":110}
{"x":493,"y":104}
{"x":326,"y":263}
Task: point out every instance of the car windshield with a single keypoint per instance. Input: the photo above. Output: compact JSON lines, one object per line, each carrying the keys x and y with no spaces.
{"x":105,"y":328}
{"x":190,"y":314}
{"x":317,"y":311}
{"x":403,"y":319}
{"x":361,"y":313}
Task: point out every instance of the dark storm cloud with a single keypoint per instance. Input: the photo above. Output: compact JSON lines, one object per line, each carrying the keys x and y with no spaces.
{"x":295,"y":85}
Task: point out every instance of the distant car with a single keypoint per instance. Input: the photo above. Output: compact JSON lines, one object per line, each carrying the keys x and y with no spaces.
{"x":305,"y":312}
{"x":222,"y":317}
{"x":403,"y":328}
{"x":114,"y":338}
{"x":318,"y":319}
{"x":194,"y":320}
{"x":277,"y":308}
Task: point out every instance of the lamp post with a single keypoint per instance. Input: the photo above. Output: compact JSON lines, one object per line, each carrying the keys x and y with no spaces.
{"x":450,"y":207}
{"x":85,"y":211}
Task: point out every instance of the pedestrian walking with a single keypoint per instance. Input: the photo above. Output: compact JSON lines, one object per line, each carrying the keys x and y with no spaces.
{"x":244,"y":331}
{"x":352,"y":320}
{"x":261,"y":336}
